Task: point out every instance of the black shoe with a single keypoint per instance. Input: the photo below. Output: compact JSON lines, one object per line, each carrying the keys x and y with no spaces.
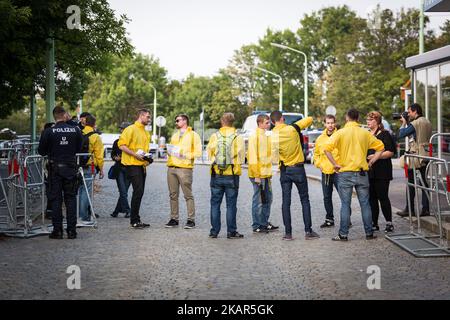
{"x":213,"y":236}
{"x":311,"y":235}
{"x":189,"y":224}
{"x":139,"y":225}
{"x":56,"y":234}
{"x":371,"y":236}
{"x":114,"y":215}
{"x":389,"y":228}
{"x":327,"y":224}
{"x":340,"y":238}
{"x":172,"y":223}
{"x":127,"y":215}
{"x":71,"y":234}
{"x":404,"y":213}
{"x":375,"y":227}
{"x":271,"y":227}
{"x":287,"y":237}
{"x":261,"y":230}
{"x":234,"y":235}
{"x":425,"y":213}
{"x":97,"y":216}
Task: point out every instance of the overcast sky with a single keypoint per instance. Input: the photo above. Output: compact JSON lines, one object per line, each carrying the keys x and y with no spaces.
{"x":200,"y":36}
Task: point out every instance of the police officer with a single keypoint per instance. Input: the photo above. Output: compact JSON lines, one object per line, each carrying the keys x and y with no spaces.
{"x":61,"y":143}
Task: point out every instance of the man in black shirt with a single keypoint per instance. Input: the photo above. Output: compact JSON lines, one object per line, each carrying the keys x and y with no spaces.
{"x":123,"y":183}
{"x":61,"y":143}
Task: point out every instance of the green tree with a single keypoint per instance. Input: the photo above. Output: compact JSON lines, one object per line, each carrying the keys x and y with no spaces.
{"x":115,"y":97}
{"x":24,"y":27}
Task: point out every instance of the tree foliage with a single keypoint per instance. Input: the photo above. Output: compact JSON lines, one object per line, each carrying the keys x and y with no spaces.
{"x":25,"y":25}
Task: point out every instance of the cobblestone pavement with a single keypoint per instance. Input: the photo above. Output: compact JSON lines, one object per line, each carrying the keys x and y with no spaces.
{"x":157,"y":263}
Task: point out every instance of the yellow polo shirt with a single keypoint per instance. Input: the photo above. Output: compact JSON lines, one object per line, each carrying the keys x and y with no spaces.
{"x":95,"y":147}
{"x":237,"y":152}
{"x":135,"y":137}
{"x":286,"y":143}
{"x":352,"y":143}
{"x":190,"y":148}
{"x":259,"y":155}
{"x":320,"y":158}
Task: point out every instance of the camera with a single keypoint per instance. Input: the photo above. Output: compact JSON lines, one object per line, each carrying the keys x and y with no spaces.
{"x":148,"y":158}
{"x":398,"y":116}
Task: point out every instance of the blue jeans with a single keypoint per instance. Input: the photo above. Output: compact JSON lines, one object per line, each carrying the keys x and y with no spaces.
{"x":328,"y":181}
{"x":83,"y":199}
{"x":260,"y":210}
{"x":297,"y":176}
{"x":123,"y":184}
{"x":220,"y":185}
{"x":346,"y":182}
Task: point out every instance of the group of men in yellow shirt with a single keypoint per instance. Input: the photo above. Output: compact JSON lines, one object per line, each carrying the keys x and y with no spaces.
{"x":339,"y":154}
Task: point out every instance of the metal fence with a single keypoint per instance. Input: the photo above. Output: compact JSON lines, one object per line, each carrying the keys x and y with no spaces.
{"x":437,"y":186}
{"x":22,"y":191}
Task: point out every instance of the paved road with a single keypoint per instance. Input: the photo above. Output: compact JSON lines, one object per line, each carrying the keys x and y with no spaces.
{"x":157,"y":263}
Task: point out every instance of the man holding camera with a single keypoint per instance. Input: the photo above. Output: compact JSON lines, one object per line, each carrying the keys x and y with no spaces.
{"x":135,"y":144}
{"x":418,"y":129}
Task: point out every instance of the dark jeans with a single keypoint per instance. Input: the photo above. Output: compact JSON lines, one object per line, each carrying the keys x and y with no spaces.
{"x":346,"y":182}
{"x":328,"y":181}
{"x":220,"y":185}
{"x":136,"y":175}
{"x":297,"y":176}
{"x":412,"y":191}
{"x":63,"y":184}
{"x":379,"y":193}
{"x":123,"y":184}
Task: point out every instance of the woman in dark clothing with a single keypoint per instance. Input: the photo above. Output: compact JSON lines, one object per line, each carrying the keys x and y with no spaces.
{"x":123,"y":184}
{"x":380,"y":173}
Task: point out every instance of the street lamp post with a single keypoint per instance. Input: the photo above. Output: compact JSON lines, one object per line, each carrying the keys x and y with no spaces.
{"x":305,"y":72}
{"x":280,"y":107}
{"x":154,"y":136}
{"x":421,"y":27}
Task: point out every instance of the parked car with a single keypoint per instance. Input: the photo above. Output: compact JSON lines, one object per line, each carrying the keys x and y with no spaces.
{"x":250,"y":125}
{"x":310,"y":137}
{"x":108,"y":140}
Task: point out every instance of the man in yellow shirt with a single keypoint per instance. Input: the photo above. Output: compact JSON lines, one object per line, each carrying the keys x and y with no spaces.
{"x":352,"y":143}
{"x":96,"y":149}
{"x":135,"y":144}
{"x":226,"y":152}
{"x":184,"y":147}
{"x":260,"y":174}
{"x":288,"y":151}
{"x":321,"y":161}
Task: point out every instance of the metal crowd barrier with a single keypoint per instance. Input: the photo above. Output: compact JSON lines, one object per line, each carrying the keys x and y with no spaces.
{"x":22,"y":191}
{"x":436,"y":135}
{"x":438,"y":178}
{"x":90,"y":196}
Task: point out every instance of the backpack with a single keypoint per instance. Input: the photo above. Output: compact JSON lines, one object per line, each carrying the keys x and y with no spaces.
{"x":223,"y":156}
{"x":85,"y":148}
{"x":299,"y":131}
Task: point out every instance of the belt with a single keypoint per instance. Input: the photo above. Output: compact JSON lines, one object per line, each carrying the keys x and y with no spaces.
{"x":297,"y":165}
{"x":175,"y":167}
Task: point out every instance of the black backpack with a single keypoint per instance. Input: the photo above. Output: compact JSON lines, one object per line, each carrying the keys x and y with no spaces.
{"x":299,"y":131}
{"x":85,"y":148}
